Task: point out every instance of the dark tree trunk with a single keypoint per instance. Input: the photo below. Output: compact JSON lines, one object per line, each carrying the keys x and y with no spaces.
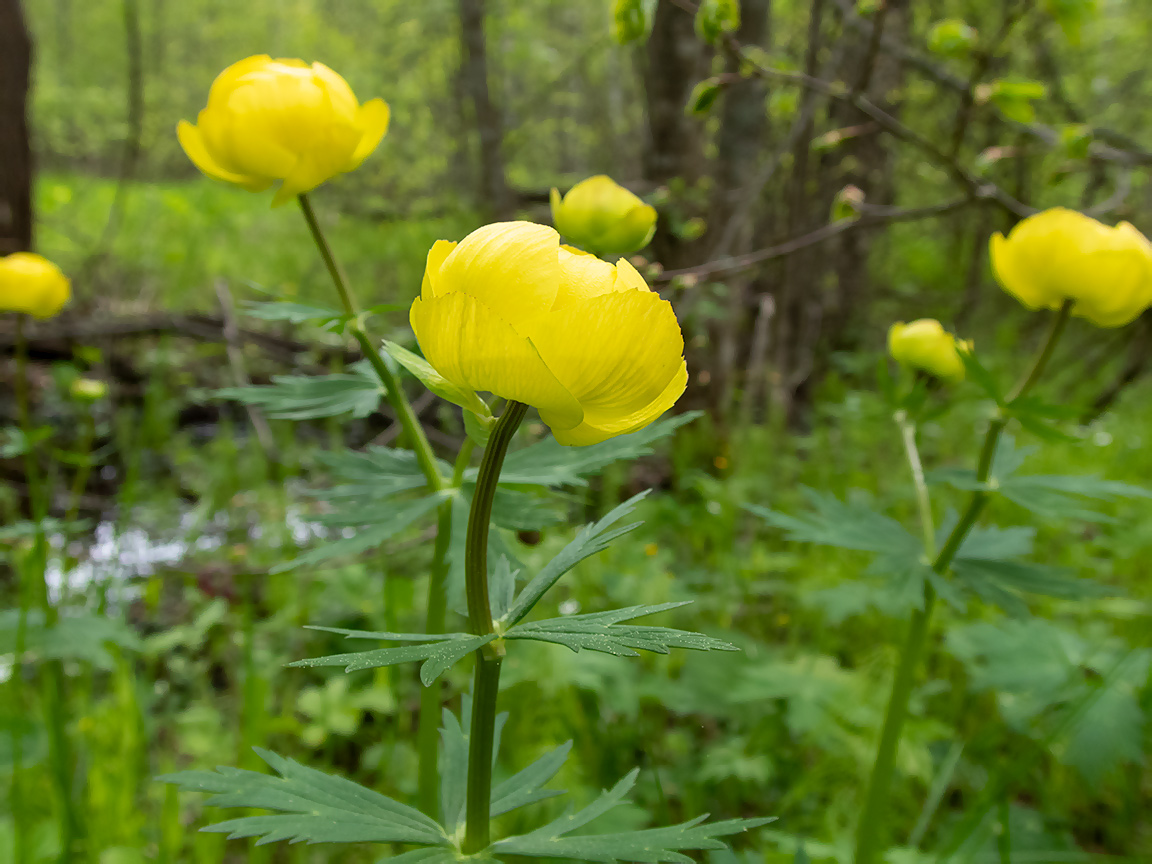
{"x":15,"y":148}
{"x":743,"y":125}
{"x":675,"y":60}
{"x":495,"y":197}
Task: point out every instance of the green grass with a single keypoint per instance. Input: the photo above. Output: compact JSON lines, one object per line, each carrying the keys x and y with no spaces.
{"x":176,"y":238}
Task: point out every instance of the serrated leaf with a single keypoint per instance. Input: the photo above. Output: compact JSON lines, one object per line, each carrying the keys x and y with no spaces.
{"x":548,"y":463}
{"x":424,"y":855}
{"x":1111,"y":731}
{"x":454,"y":763}
{"x":1000,"y":582}
{"x":305,"y":397}
{"x":602,"y":631}
{"x":437,"y":655}
{"x":501,"y":587}
{"x":387,"y":524}
{"x":650,"y":846}
{"x":847,"y":526}
{"x":437,"y":383}
{"x":524,"y":787}
{"x":1064,"y":496}
{"x":72,"y":637}
{"x":588,"y":541}
{"x":319,"y":807}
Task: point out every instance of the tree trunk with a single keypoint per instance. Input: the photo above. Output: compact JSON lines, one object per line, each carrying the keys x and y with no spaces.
{"x":15,"y":147}
{"x":495,"y":197}
{"x":743,"y":122}
{"x":675,"y":62}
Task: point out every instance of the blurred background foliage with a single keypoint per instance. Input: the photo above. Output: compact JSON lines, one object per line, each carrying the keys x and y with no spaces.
{"x":186,"y":511}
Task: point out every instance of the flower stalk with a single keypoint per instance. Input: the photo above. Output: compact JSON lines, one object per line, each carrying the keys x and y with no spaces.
{"x":486,"y":681}
{"x":869,"y":832}
{"x":427,"y":735}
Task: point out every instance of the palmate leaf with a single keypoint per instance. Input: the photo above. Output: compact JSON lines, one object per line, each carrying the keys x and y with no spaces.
{"x":588,"y":541}
{"x":521,"y":789}
{"x":1054,"y":495}
{"x":438,"y":652}
{"x":547,"y":463}
{"x":650,"y":846}
{"x":315,"y":807}
{"x":386,"y":523}
{"x":603,"y":632}
{"x":305,"y":397}
{"x":73,"y":637}
{"x":831,"y":522}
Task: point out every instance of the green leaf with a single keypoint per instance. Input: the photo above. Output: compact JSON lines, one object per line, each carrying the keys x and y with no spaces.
{"x":651,"y":846}
{"x":703,"y":96}
{"x":978,"y":374}
{"x":847,"y":526}
{"x":454,"y":763}
{"x":385,"y":525}
{"x":321,"y":808}
{"x":588,"y":541}
{"x":304,"y":397}
{"x":295,"y":313}
{"x":1111,"y":731}
{"x":1064,"y":496}
{"x":998,"y":581}
{"x":547,"y":463}
{"x":524,"y":787}
{"x":438,"y":652}
{"x":501,"y":587}
{"x":437,"y":383}
{"x":602,"y":631}
{"x":72,"y":637}
{"x":424,"y":855}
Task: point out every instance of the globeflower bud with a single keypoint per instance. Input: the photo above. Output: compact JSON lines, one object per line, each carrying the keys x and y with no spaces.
{"x":32,"y":284}
{"x":510,"y":311}
{"x":927,"y":346}
{"x":603,"y":217}
{"x":88,"y":389}
{"x":271,"y":120}
{"x":1060,"y":255}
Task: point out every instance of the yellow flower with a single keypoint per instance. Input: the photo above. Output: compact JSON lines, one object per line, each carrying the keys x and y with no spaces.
{"x":603,"y":217}
{"x":1060,"y":255}
{"x":32,"y":284}
{"x":926,"y":345}
{"x":511,"y":311}
{"x":271,"y":120}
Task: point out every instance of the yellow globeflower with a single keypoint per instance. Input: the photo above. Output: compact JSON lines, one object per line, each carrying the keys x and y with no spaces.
{"x":926,"y":345}
{"x":511,"y":311}
{"x":603,"y":217}
{"x":271,"y":120}
{"x":32,"y":284}
{"x":1060,"y":255}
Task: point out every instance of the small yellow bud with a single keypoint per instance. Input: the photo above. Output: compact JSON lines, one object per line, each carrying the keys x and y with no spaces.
{"x":32,"y":284}
{"x":1060,"y":255}
{"x":271,"y":120}
{"x":651,"y":550}
{"x":510,"y":311}
{"x":603,"y":217}
{"x":88,"y":389}
{"x":927,"y":346}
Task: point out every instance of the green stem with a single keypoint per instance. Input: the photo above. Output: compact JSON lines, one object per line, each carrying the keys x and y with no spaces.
{"x":487,"y":676}
{"x":427,"y":735}
{"x":53,"y":688}
{"x":872,"y":817}
{"x":395,"y":395}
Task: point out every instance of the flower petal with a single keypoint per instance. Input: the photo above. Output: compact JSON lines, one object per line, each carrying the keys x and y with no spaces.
{"x":436,"y":255}
{"x":590,"y":433}
{"x":373,"y":121}
{"x":193,"y":143}
{"x":511,"y":267}
{"x":582,"y":276}
{"x":615,"y":353}
{"x":473,"y":347}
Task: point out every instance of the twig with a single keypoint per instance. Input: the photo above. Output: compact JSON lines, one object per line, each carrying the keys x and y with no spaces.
{"x":240,"y":372}
{"x":873,"y":216}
